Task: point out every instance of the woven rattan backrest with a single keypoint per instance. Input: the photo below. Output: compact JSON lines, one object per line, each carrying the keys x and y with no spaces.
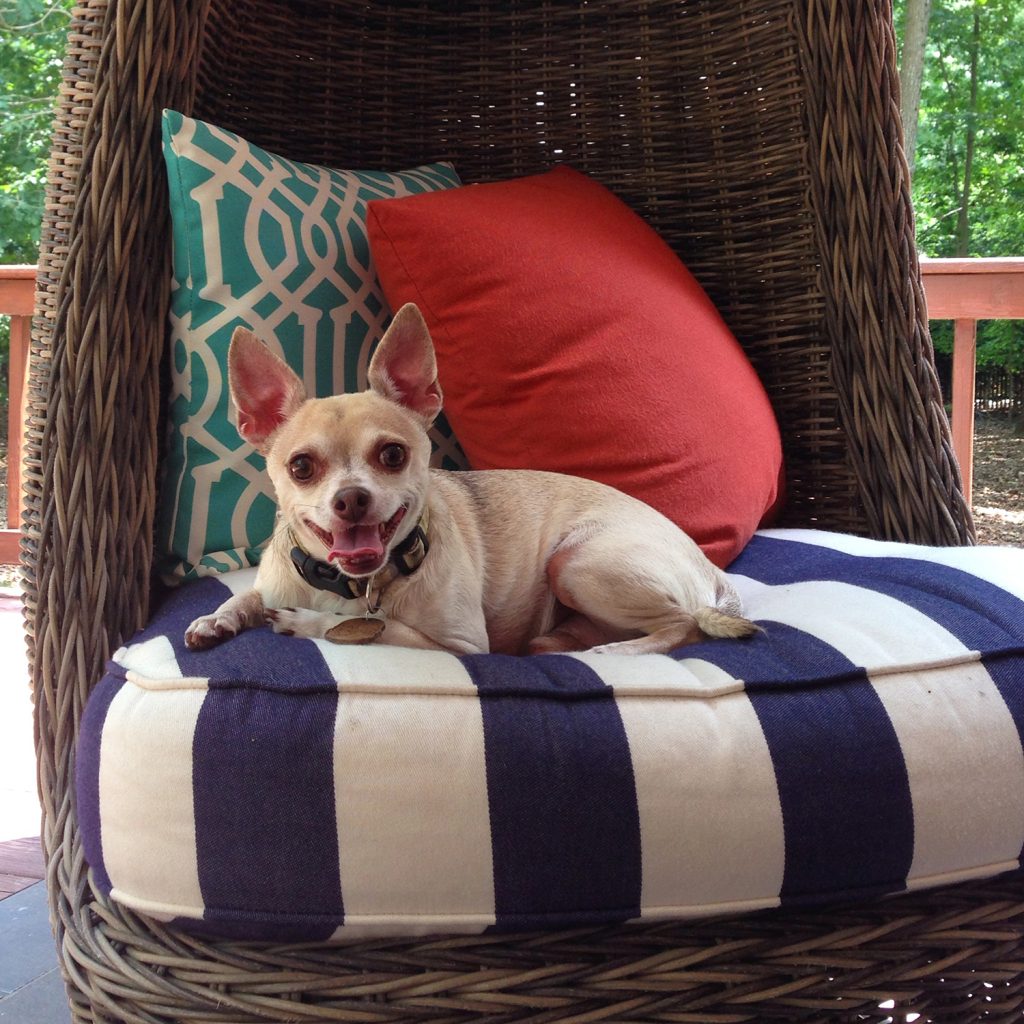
{"x":694,"y":113}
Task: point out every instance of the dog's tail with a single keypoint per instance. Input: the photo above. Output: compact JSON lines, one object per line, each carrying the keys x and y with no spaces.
{"x":726,"y":618}
{"x":717,"y":623}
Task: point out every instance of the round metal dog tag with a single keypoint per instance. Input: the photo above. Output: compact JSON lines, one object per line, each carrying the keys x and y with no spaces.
{"x":355,"y":631}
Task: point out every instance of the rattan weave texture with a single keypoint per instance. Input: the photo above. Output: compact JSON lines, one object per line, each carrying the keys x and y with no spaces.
{"x":761,"y":138}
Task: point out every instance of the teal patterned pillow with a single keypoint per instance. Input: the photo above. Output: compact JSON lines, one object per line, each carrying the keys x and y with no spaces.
{"x":280,"y":247}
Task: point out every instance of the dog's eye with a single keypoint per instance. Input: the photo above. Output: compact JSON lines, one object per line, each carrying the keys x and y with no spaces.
{"x":392,"y":456}
{"x":302,"y":468}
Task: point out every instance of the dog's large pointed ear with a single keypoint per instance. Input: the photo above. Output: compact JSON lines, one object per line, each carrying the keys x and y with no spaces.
{"x":265,"y":390}
{"x":403,"y":368}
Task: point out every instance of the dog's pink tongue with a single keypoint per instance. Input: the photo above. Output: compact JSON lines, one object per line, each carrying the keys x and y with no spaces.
{"x":357,"y":543}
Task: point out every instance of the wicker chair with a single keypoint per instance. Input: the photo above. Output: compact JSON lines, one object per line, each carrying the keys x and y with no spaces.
{"x":761,"y":138}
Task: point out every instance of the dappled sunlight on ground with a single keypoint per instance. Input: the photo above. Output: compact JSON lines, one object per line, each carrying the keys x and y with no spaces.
{"x":998,"y":482}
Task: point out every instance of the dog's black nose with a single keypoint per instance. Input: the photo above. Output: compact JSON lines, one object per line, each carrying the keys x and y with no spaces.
{"x":352,"y":503}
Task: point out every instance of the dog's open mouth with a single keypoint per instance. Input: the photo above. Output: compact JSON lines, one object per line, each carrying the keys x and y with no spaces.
{"x":359,"y":548}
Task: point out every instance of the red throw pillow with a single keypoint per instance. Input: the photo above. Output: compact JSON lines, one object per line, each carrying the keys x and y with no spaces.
{"x":571,"y":338}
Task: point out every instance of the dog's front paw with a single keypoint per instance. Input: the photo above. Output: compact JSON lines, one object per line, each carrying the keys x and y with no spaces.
{"x":210,"y":630}
{"x":300,"y":622}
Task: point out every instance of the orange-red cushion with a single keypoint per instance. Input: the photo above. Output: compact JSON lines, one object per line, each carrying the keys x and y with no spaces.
{"x":571,"y":338}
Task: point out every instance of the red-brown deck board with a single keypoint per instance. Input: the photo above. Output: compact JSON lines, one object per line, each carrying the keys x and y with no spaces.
{"x":21,"y":865}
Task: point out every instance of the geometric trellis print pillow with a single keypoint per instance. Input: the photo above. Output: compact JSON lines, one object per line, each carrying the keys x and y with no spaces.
{"x":281,"y":248}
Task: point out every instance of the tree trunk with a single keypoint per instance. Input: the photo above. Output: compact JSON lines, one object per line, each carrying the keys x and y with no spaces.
{"x":915,"y":35}
{"x":963,"y":223}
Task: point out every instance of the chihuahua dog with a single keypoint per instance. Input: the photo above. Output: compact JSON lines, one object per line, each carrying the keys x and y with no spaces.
{"x":512,"y":561}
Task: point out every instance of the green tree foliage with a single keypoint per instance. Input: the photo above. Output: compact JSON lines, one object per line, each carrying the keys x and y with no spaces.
{"x":968,"y":183}
{"x":32,"y":39}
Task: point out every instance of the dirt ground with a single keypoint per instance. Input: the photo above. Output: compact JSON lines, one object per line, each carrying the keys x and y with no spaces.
{"x":998,"y":482}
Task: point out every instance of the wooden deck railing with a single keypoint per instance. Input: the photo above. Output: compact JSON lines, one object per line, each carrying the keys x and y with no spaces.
{"x":17,"y":298}
{"x":964,"y":291}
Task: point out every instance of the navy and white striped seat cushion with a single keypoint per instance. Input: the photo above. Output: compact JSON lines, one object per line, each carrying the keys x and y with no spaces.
{"x":868,"y":742}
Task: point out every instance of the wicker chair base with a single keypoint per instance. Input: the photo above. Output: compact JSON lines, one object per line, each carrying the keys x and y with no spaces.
{"x":955,"y":955}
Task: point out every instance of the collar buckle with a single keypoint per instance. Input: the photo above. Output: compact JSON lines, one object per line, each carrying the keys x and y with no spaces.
{"x":409,"y":555}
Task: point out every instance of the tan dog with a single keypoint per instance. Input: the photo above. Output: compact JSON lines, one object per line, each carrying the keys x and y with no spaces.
{"x":513,"y":561}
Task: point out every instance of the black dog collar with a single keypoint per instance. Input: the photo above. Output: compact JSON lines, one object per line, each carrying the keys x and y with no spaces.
{"x":407,"y":557}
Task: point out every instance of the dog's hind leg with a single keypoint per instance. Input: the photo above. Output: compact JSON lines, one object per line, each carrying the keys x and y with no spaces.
{"x":641,"y":596}
{"x":661,"y":641}
{"x":705,"y":622}
{"x":574,"y":633}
